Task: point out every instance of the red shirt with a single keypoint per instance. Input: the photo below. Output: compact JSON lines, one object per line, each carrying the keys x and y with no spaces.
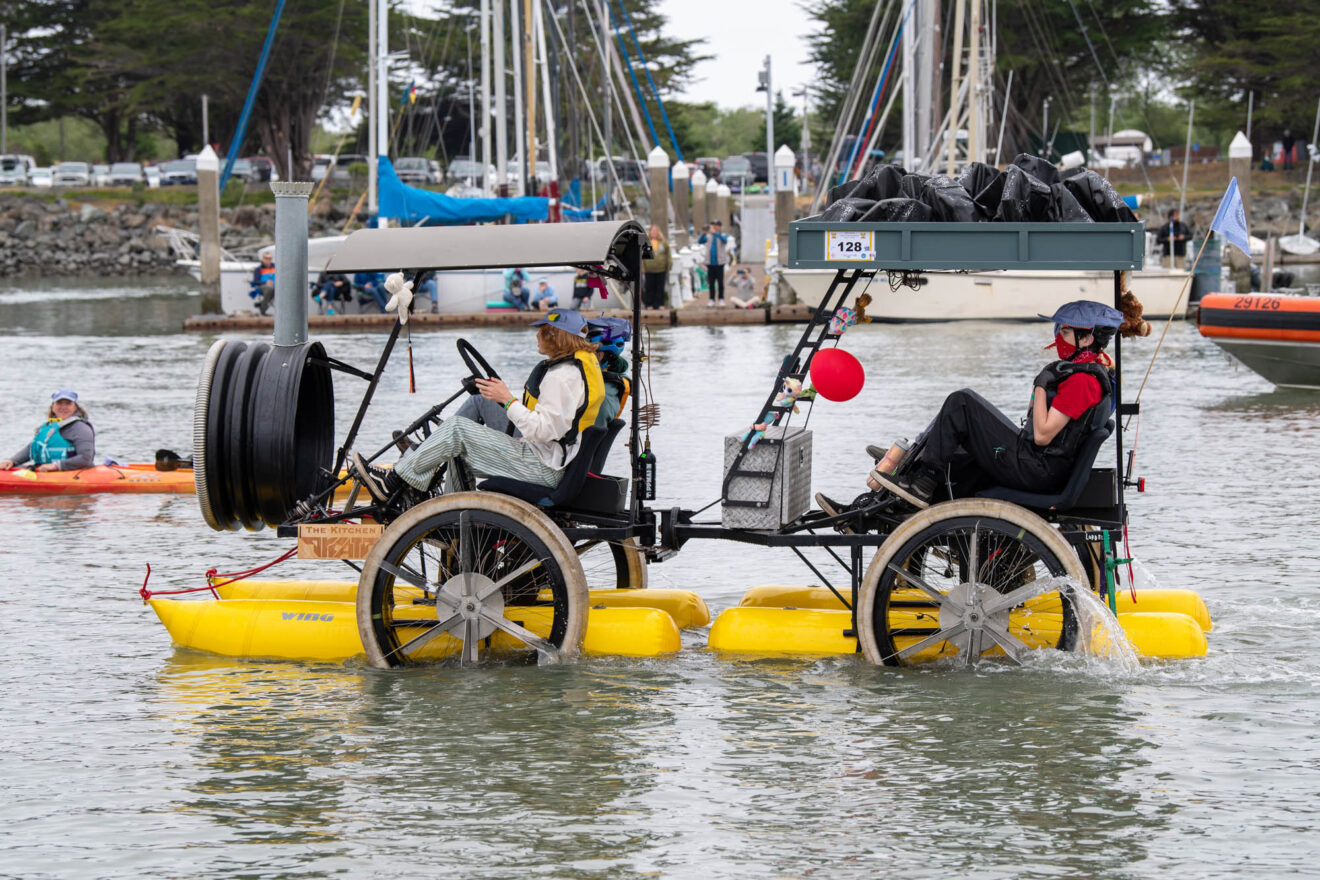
{"x":1076,"y":394}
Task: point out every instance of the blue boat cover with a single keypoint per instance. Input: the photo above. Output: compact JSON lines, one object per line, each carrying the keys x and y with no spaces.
{"x":419,"y":207}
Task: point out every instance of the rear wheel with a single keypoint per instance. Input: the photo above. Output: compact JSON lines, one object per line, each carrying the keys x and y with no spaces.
{"x":967,"y":579}
{"x":472,"y":575}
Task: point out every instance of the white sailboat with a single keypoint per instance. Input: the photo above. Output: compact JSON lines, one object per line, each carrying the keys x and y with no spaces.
{"x":985,"y":296}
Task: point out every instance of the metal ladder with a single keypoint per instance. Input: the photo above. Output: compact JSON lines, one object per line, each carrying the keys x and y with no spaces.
{"x":794,"y":366}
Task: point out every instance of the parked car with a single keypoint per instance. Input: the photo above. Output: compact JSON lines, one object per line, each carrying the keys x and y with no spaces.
{"x":736,"y":173}
{"x":340,"y":174}
{"x":242,"y":170}
{"x":320,"y":165}
{"x":462,"y":169}
{"x":41,"y":177}
{"x":437,"y":173}
{"x":152,"y":174}
{"x":710,"y":166}
{"x":100,"y":175}
{"x":413,"y":170}
{"x":13,"y":171}
{"x":178,"y":172}
{"x":628,"y":170}
{"x":760,"y":167}
{"x":263,"y":170}
{"x":72,"y":174}
{"x":125,"y":174}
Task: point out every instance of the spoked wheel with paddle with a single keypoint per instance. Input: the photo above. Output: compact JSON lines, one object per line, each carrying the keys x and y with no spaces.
{"x":969,"y":579}
{"x":472,"y":576}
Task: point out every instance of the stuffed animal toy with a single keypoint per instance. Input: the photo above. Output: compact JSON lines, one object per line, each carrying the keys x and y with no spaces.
{"x":1131,"y":307}
{"x":788,"y":396}
{"x":402,"y":295}
{"x":845,"y":317}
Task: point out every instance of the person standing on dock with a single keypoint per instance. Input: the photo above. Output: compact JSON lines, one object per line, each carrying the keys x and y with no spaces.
{"x":1289,"y":143}
{"x":1173,"y":235}
{"x":655,"y":271}
{"x":717,"y":254}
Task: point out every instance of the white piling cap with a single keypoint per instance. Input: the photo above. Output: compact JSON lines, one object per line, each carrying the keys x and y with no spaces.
{"x":1240,"y":148}
{"x":680,"y":171}
{"x":1075,"y":159}
{"x":698,"y":178}
{"x":784,"y":157}
{"x":712,"y":186}
{"x":207,"y":160}
{"x":723,"y":191}
{"x":657,"y":158}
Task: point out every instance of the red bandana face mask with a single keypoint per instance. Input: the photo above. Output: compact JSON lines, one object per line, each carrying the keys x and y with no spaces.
{"x":1065,"y":349}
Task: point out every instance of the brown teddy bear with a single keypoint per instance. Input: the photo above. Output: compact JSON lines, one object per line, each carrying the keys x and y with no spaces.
{"x":1131,"y":307}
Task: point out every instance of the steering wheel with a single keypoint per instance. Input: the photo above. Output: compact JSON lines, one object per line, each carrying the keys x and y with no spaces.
{"x":477,"y":366}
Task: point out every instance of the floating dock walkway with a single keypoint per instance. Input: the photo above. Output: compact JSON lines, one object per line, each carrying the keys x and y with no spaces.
{"x":684,"y":317}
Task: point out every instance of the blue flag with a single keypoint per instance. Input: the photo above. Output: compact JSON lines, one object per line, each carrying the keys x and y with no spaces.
{"x":1231,"y":219}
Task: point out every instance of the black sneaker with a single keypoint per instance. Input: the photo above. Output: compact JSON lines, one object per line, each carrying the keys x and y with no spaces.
{"x":916,"y":489}
{"x":833,"y":508}
{"x":377,"y":481}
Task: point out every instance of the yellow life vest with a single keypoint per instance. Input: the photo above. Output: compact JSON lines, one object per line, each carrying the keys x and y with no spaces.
{"x":589,"y":370}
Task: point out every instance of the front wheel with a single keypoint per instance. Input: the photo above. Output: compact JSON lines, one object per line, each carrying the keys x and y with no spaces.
{"x":471,"y":574}
{"x":966,"y":579}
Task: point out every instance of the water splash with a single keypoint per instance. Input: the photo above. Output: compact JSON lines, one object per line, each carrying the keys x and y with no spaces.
{"x":1099,"y":633}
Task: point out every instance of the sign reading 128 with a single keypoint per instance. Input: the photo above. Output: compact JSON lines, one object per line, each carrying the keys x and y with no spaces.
{"x":849,"y":245}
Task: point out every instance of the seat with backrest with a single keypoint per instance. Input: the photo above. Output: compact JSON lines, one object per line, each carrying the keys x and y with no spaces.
{"x":592,"y":444}
{"x":1067,"y":497}
{"x":603,"y":450}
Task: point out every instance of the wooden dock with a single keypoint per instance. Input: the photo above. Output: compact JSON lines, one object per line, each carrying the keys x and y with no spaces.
{"x":654,"y":318}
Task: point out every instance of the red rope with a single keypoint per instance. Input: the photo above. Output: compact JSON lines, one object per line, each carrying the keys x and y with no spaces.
{"x":235,"y":576}
{"x":147,"y":594}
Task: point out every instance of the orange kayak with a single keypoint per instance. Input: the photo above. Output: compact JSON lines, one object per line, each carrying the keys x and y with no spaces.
{"x":102,"y":478}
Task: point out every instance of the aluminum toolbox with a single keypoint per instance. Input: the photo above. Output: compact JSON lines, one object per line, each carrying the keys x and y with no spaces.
{"x":782,"y":491}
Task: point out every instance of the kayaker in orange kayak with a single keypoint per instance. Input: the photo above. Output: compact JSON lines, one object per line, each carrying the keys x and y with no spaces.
{"x":66,"y":441}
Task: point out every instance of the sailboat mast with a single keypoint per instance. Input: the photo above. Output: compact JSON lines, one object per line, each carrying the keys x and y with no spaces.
{"x":372,"y":110}
{"x":501,"y":108}
{"x":515,"y":46}
{"x":485,"y":98}
{"x":607,"y":85}
{"x":976,"y":93}
{"x":538,"y":27}
{"x":529,"y":91}
{"x":955,"y":103}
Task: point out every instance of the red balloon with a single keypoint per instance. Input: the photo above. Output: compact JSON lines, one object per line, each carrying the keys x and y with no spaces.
{"x":836,"y":374}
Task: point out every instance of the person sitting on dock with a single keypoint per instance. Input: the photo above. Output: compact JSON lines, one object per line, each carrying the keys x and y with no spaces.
{"x":66,"y":441}
{"x":263,"y":282}
{"x":515,"y":289}
{"x":561,"y":397}
{"x":370,"y":287}
{"x":331,"y":288}
{"x":545,"y":297}
{"x":971,"y":445}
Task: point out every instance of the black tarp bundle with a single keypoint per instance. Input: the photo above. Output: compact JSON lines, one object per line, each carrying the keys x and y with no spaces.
{"x":1029,"y":190}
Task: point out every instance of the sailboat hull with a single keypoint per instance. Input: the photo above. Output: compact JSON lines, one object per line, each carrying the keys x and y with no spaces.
{"x":996,"y":296}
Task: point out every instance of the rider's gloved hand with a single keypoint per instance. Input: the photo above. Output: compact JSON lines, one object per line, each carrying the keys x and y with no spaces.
{"x":1046,"y":378}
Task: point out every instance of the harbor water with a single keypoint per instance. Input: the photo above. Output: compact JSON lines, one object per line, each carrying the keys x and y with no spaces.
{"x":123,"y":757}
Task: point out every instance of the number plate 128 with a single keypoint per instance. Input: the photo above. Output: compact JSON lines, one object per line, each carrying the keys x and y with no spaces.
{"x":850,"y":246}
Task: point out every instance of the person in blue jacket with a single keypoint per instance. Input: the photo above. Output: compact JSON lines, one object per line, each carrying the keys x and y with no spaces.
{"x":66,"y":441}
{"x":717,"y":254}
{"x":371,"y":286}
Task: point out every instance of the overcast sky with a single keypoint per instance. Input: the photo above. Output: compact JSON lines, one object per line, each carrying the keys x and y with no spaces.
{"x":739,"y":34}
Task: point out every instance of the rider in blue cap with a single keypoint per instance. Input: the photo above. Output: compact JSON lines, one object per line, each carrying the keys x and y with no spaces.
{"x":610,"y":336}
{"x":561,"y":398}
{"x":971,"y":445}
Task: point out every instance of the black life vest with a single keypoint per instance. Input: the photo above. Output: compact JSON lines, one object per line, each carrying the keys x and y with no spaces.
{"x":1073,"y":434}
{"x":589,"y":369}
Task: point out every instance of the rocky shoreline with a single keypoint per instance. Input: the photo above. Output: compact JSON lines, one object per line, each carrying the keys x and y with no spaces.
{"x":60,"y":237}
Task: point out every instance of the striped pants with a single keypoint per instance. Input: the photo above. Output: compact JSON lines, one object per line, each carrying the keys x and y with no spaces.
{"x":485,"y":451}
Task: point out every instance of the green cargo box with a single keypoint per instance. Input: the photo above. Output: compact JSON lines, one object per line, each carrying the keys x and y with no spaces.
{"x":816,"y":244}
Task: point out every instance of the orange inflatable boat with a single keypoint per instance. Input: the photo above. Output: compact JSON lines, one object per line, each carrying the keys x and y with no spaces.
{"x":102,"y":478}
{"x":1276,"y":336}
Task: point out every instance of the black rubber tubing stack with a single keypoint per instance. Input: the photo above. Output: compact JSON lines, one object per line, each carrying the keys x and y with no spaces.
{"x":263,"y":432}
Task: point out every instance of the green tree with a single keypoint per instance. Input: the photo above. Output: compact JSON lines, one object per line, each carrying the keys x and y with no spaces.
{"x":788,"y":127}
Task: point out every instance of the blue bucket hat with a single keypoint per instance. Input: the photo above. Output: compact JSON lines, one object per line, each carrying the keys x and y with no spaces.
{"x":64,"y":394}
{"x":609,"y":333}
{"x":1085,"y":314}
{"x":569,"y":321}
